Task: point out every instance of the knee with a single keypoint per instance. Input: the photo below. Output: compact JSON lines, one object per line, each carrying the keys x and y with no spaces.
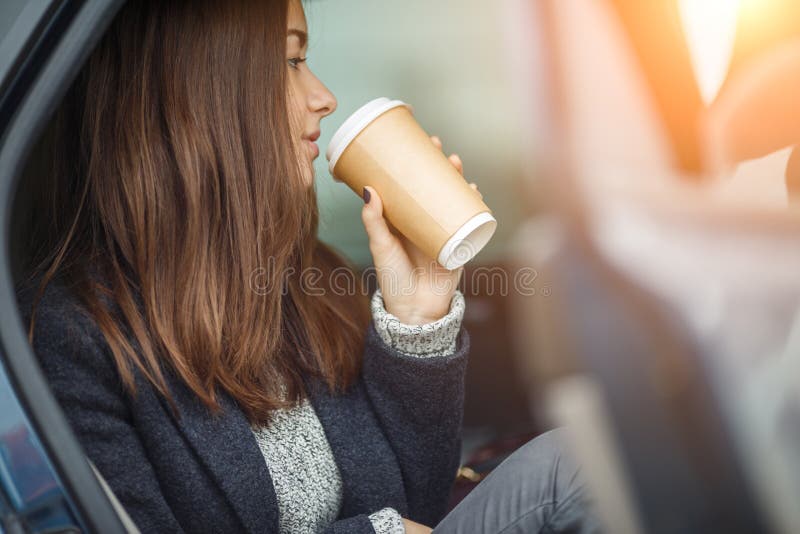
{"x":551,"y":444}
{"x":548,"y":461}
{"x":524,"y":493}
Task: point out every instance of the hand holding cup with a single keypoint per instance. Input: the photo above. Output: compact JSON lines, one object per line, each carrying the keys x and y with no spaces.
{"x":415,"y":288}
{"x":423,"y":220}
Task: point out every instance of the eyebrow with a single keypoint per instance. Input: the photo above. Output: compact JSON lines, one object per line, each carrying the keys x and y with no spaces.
{"x":300,"y":34}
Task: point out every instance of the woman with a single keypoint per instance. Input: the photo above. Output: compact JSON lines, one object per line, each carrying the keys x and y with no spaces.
{"x":211,"y":385}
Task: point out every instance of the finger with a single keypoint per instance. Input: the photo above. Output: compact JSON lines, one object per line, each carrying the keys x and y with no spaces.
{"x":415,"y":255}
{"x":457,"y":163}
{"x":395,"y":232}
{"x":474,"y":186}
{"x":436,"y":142}
{"x":458,"y":274}
{"x":381,"y":239}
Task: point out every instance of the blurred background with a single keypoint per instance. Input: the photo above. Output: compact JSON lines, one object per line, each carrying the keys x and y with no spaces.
{"x":641,"y":159}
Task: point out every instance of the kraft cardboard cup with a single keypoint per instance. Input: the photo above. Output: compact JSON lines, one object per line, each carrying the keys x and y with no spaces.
{"x":424,"y":196}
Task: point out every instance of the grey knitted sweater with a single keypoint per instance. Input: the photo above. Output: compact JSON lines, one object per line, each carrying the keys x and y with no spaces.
{"x":306,"y":479}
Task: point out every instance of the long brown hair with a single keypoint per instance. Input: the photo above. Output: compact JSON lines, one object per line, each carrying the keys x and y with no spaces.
{"x":176,"y":180}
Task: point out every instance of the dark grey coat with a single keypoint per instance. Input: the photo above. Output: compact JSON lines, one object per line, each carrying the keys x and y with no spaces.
{"x":395,"y":435}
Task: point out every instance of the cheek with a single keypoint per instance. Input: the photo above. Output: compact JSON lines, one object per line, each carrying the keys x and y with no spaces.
{"x":295,"y":103}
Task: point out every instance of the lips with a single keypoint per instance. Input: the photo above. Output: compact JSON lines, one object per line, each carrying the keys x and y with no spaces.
{"x":314,"y":149}
{"x":312,"y":146}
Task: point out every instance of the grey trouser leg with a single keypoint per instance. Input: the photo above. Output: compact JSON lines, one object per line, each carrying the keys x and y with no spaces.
{"x":535,"y":490}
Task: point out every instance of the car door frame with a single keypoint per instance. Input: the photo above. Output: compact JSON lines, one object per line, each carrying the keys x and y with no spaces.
{"x":31,"y":90}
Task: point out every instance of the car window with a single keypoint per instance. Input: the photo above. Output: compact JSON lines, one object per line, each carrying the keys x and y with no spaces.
{"x":29,"y":486}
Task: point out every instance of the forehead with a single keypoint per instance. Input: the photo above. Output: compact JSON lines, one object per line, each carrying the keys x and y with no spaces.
{"x":297,"y":17}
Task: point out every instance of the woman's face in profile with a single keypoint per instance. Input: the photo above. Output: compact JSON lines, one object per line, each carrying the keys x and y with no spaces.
{"x":309,"y":100}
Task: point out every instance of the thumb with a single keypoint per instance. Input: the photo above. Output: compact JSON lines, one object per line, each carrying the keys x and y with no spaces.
{"x":381,"y":239}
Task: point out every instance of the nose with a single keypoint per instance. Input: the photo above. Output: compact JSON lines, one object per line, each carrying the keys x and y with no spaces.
{"x":320,"y":99}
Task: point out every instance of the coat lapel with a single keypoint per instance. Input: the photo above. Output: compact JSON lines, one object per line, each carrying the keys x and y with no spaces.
{"x":370,"y":473}
{"x":226,"y":446}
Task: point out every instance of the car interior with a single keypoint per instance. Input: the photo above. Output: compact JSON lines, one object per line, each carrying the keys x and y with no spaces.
{"x":675,"y":380}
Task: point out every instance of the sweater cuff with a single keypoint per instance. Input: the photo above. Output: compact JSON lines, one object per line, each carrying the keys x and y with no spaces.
{"x":387,"y":521}
{"x":423,"y":341}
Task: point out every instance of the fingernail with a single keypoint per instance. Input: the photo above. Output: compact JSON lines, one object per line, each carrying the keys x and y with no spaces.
{"x":366,"y":196}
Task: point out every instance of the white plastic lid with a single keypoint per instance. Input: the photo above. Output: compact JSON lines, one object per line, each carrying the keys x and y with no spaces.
{"x":354,"y":124}
{"x":467,"y":241}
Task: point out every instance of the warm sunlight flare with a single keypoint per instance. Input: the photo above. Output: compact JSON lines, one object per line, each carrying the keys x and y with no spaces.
{"x":763,"y":25}
{"x":710,"y":27}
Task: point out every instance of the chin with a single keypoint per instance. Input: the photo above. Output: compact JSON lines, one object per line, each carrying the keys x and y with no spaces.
{"x":308,"y":177}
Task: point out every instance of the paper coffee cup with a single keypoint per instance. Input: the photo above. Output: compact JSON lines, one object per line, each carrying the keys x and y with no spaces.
{"x":424,"y":196}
